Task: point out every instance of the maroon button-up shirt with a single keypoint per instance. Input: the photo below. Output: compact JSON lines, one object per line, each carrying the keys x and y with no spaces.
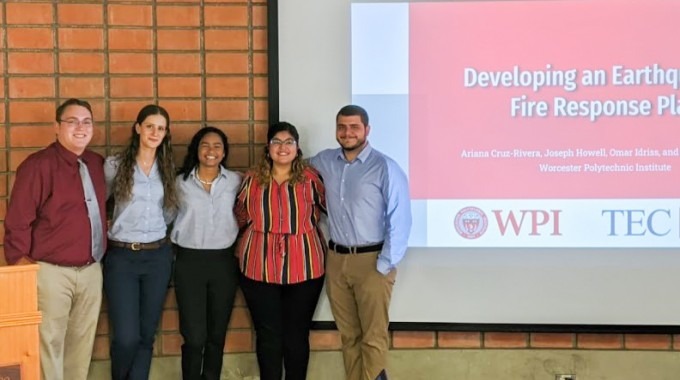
{"x":47,"y":216}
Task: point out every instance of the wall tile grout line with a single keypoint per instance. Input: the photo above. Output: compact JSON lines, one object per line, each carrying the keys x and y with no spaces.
{"x":107,"y":78}
{"x":154,"y":48}
{"x":202,"y":55}
{"x":5,"y":104}
{"x":251,"y":102}
{"x":55,"y":53}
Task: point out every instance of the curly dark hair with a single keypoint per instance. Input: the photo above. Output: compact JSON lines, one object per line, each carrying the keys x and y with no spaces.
{"x":122,"y":185}
{"x":263,"y":170}
{"x":191,"y":159}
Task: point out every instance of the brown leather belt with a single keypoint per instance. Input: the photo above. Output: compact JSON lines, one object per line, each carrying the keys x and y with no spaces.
{"x":358,"y":249}
{"x":138,"y":246}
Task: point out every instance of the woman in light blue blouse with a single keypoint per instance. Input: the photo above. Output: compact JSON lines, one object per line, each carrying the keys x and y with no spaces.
{"x":206,"y":270}
{"x":138,"y":263}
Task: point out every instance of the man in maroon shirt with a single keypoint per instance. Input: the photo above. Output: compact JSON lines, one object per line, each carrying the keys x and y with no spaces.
{"x":56,"y":218}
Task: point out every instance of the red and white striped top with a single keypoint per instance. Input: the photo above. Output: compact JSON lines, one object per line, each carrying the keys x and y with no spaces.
{"x":280,"y":241}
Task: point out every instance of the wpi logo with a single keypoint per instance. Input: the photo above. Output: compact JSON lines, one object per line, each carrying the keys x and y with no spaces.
{"x":471,"y":222}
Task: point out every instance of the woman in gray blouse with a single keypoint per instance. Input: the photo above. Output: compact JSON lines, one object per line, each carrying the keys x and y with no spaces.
{"x":206,"y":271}
{"x":138,"y":263}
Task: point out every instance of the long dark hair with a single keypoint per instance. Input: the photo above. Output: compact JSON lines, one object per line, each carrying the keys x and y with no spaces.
{"x":263,"y":170}
{"x":191,"y":159}
{"x":122,"y":185}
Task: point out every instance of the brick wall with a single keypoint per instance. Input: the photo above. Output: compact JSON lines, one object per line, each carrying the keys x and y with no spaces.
{"x":205,"y":61}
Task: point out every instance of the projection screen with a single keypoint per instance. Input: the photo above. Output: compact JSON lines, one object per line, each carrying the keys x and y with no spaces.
{"x":541,"y":141}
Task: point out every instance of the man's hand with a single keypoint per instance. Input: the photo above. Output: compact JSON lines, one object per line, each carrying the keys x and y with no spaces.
{"x":24,"y":261}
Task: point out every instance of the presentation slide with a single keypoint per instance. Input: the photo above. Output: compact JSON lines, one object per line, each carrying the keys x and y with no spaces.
{"x":530,"y":124}
{"x":541,"y":140}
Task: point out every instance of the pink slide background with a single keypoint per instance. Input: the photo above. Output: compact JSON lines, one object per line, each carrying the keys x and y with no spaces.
{"x":445,"y":117}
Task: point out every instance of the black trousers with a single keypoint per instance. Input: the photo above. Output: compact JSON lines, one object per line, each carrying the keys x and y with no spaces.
{"x":135,"y":283}
{"x":282,"y":315}
{"x":205,"y":285}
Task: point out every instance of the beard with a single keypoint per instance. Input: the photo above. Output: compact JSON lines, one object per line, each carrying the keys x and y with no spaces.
{"x":348,"y":147}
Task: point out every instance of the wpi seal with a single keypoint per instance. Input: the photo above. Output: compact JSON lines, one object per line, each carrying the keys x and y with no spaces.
{"x":471,"y":222}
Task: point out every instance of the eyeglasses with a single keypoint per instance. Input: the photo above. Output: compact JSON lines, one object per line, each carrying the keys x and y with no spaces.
{"x":288,"y":142}
{"x":87,"y":123}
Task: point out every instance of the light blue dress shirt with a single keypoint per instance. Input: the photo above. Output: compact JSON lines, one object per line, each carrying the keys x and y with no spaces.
{"x":205,"y":220}
{"x":140,"y":219}
{"x":368,"y":202}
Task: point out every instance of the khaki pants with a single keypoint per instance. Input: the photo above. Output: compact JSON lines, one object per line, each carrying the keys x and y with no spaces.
{"x":360,"y":296}
{"x":70,"y":300}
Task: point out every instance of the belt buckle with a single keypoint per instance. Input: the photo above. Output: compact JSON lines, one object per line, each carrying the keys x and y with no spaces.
{"x":135,"y":246}
{"x":352,"y":250}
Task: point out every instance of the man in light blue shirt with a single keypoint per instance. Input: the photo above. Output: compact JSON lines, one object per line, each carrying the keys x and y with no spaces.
{"x":369,"y":214}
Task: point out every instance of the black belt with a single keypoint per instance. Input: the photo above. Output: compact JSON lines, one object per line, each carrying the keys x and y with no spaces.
{"x":138,"y":246}
{"x":359,"y":249}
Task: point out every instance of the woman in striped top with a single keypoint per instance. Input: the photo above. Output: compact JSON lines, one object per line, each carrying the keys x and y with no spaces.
{"x":281,"y":252}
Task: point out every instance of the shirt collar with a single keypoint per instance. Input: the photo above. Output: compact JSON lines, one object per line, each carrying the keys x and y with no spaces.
{"x":363,"y":155}
{"x":68,"y":156}
{"x":223,"y":172}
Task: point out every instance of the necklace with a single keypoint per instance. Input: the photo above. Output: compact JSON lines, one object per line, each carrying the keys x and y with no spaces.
{"x":204,"y":182}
